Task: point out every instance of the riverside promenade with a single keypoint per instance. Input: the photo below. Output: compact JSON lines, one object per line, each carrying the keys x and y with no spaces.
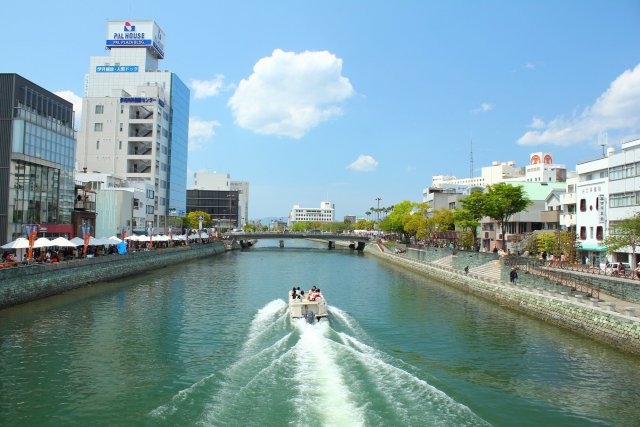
{"x":606,"y":319}
{"x":23,"y":284}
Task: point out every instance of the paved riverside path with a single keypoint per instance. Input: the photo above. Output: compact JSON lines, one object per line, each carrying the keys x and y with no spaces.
{"x":492,"y":271}
{"x":620,"y":303}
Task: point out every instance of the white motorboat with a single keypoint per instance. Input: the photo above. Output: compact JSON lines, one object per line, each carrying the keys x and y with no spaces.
{"x":309,"y":305}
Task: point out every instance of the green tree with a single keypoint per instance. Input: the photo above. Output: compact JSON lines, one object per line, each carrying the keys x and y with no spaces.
{"x":394,"y":222}
{"x":472,"y":211}
{"x":250,"y":228}
{"x":623,"y":234}
{"x":546,"y":242}
{"x":363,"y":224}
{"x":415,"y":222}
{"x":299,"y":226}
{"x":502,"y":201}
{"x":191,"y":219}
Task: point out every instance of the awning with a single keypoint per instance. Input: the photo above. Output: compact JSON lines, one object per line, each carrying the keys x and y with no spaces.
{"x":591,"y":247}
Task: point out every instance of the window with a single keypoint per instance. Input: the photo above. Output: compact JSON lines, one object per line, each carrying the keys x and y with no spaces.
{"x":149,"y":209}
{"x":583,"y":233}
{"x":583,"y":205}
{"x":97,"y":145}
{"x":119,"y":145}
{"x":97,"y":127}
{"x":99,"y":109}
{"x":150,"y":194}
{"x":599,"y":233}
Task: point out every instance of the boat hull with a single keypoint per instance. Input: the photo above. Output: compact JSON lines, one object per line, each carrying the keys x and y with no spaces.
{"x":302,"y":309}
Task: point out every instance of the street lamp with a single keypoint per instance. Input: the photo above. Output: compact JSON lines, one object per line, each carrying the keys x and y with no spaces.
{"x":229,"y":196}
{"x":378,"y":200}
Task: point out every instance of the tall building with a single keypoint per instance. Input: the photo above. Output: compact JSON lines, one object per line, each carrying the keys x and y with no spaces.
{"x":326,"y":213}
{"x":221,"y":182}
{"x":37,"y":152}
{"x":607,"y":191}
{"x":136,"y":116}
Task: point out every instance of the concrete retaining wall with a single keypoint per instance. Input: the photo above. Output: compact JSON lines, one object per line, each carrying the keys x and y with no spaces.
{"x":23,"y":284}
{"x":587,"y":318}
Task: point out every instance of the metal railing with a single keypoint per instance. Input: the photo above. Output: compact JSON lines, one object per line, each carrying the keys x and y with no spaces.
{"x":535,"y":268}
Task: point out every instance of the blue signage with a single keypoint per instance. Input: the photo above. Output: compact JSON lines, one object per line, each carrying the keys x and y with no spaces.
{"x":138,"y":99}
{"x":129,"y":42}
{"x":117,"y":69}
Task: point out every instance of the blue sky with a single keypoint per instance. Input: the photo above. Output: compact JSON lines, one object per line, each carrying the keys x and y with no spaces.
{"x":349,"y":101}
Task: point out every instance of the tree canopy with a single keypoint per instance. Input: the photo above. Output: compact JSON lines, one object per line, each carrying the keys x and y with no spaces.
{"x":393,"y":223}
{"x":501,"y":201}
{"x":625,"y":233}
{"x":191,"y":220}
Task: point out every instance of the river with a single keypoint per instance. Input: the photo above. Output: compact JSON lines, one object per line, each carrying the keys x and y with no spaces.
{"x":209,"y":342}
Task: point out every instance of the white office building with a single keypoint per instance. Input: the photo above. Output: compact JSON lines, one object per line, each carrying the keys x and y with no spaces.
{"x":608,"y":190}
{"x":540,"y":169}
{"x":121,"y":205}
{"x":136,"y":116}
{"x":326,"y":213}
{"x":242,"y":187}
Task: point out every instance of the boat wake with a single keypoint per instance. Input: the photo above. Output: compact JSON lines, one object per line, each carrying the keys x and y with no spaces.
{"x":292,"y":372}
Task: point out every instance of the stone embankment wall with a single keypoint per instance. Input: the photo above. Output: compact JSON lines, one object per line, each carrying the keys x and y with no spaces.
{"x":588,"y":318}
{"x":23,"y":284}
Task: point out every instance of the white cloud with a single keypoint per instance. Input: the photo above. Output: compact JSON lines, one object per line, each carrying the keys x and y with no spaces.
{"x":77,"y":105}
{"x":536,"y":123}
{"x":483,"y":108}
{"x":617,"y":109}
{"x":208,"y":88}
{"x":290,"y":93}
{"x":529,"y":66}
{"x":200,"y":131}
{"x":364,"y":163}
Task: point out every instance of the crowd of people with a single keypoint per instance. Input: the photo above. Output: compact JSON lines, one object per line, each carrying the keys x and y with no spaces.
{"x":298,"y":294}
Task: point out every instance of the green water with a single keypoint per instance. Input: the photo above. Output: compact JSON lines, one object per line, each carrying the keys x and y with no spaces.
{"x":210,"y":343}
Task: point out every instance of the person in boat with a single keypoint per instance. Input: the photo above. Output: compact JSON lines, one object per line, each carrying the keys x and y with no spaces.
{"x":294,"y":292}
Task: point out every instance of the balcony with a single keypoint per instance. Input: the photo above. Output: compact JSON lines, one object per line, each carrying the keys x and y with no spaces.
{"x":549,"y":216}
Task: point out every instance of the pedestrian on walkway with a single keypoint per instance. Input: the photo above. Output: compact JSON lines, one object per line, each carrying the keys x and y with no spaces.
{"x":563,"y":260}
{"x":513,"y":275}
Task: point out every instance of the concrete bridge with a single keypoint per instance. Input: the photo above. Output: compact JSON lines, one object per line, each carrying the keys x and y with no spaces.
{"x":243,"y":237}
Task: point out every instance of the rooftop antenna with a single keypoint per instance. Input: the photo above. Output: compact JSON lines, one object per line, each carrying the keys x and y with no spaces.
{"x":603,"y":139}
{"x":471,"y":160}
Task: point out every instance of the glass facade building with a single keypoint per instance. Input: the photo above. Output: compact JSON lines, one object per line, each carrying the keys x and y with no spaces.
{"x":37,"y":155}
{"x":178,"y":145}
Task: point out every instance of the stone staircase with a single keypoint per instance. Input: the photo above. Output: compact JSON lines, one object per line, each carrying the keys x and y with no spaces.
{"x":491,"y":270}
{"x":446,"y":261}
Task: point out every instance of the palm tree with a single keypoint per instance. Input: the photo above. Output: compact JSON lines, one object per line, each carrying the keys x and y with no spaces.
{"x":367,"y":213}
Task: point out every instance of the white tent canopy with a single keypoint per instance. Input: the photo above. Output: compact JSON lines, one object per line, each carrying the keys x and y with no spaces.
{"x":42,"y":242}
{"x":19,"y":243}
{"x":62,"y":242}
{"x":77,"y":241}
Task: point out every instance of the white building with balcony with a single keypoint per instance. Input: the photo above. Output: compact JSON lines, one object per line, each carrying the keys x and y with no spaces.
{"x":135,"y":116}
{"x":326,"y":213}
{"x":608,"y":190}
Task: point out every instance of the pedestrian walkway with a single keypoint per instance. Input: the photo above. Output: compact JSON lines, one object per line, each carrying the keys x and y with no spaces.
{"x":492,"y":270}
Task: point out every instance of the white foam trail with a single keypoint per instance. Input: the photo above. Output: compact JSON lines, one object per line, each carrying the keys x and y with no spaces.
{"x":264,"y":320}
{"x":171,"y":407}
{"x":323,"y":394}
{"x":387,"y":377}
